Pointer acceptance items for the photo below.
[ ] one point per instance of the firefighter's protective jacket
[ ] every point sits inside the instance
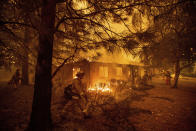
(78, 87)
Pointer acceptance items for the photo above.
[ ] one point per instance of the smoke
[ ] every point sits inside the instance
(118, 57)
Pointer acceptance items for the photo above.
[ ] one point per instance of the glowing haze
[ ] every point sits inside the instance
(119, 57)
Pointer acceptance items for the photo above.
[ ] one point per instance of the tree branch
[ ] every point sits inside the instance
(59, 67)
(187, 65)
(83, 18)
(17, 23)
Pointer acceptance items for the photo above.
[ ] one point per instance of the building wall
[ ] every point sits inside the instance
(63, 76)
(97, 72)
(105, 72)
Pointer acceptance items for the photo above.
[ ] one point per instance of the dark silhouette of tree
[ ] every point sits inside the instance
(70, 29)
(174, 44)
(16, 38)
(41, 114)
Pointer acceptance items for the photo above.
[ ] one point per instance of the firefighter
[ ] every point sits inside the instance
(168, 78)
(15, 81)
(79, 96)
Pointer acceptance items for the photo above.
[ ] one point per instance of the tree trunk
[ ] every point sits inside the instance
(177, 73)
(25, 65)
(41, 114)
(25, 74)
(25, 69)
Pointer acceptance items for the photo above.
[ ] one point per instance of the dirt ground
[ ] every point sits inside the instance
(165, 108)
(156, 109)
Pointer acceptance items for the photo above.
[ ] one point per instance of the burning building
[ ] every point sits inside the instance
(101, 74)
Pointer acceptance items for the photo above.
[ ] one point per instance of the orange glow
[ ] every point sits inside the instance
(75, 71)
(100, 88)
(118, 57)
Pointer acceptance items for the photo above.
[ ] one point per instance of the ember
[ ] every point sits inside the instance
(100, 87)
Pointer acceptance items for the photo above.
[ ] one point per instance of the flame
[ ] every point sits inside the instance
(75, 77)
(100, 87)
(75, 71)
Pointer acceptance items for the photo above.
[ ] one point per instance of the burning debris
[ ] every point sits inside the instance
(104, 108)
(107, 85)
(100, 88)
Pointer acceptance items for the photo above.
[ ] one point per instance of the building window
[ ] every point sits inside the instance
(103, 71)
(118, 71)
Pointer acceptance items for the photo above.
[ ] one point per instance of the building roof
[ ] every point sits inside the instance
(117, 57)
